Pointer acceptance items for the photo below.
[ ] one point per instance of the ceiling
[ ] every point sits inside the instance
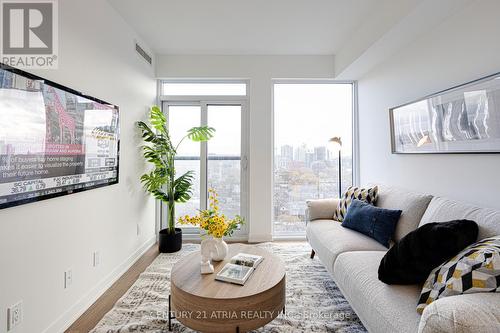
(245, 27)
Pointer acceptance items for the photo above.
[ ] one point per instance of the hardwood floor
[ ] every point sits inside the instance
(105, 303)
(94, 314)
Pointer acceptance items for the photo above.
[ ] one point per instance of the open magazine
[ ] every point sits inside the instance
(239, 268)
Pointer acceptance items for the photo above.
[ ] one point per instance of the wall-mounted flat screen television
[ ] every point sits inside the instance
(53, 140)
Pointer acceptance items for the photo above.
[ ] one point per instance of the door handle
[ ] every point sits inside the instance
(244, 163)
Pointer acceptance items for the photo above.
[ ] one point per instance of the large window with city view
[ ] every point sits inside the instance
(217, 164)
(306, 165)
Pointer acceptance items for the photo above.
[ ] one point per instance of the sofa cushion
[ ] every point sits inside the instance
(368, 195)
(329, 239)
(381, 308)
(375, 222)
(442, 209)
(476, 269)
(412, 204)
(472, 313)
(411, 259)
(321, 208)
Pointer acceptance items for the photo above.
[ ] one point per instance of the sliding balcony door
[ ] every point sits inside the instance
(220, 163)
(180, 119)
(224, 160)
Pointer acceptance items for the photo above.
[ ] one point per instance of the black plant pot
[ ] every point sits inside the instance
(169, 243)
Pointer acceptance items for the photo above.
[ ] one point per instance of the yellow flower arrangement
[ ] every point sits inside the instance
(215, 224)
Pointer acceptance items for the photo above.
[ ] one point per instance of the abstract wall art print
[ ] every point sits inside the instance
(463, 119)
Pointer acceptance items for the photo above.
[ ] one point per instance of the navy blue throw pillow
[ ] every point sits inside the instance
(374, 222)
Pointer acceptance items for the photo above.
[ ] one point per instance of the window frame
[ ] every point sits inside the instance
(355, 143)
(165, 101)
(210, 81)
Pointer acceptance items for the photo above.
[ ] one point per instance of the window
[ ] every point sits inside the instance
(182, 118)
(219, 163)
(306, 116)
(224, 157)
(204, 89)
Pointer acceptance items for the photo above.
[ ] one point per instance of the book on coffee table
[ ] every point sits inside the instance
(245, 259)
(239, 268)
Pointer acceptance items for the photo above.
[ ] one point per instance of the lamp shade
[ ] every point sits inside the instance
(336, 142)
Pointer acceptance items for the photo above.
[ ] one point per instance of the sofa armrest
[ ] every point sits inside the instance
(467, 313)
(321, 209)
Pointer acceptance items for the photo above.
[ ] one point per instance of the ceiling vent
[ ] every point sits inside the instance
(144, 55)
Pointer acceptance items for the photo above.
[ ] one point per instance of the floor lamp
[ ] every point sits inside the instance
(336, 143)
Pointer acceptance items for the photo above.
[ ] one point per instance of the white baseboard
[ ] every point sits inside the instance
(69, 317)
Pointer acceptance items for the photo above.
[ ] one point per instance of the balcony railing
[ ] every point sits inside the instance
(210, 158)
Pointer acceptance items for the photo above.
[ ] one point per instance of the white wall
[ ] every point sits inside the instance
(259, 70)
(464, 47)
(39, 241)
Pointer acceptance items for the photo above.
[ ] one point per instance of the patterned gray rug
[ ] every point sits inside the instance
(313, 301)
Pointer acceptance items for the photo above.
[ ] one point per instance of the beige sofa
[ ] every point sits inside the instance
(353, 260)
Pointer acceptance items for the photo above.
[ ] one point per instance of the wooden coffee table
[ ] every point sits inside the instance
(206, 305)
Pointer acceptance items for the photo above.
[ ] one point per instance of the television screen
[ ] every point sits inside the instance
(53, 140)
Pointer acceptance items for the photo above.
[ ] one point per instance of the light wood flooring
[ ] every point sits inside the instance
(89, 319)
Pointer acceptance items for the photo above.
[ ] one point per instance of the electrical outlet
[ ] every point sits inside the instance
(14, 315)
(138, 229)
(97, 258)
(68, 278)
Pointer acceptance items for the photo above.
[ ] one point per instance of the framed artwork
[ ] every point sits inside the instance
(460, 120)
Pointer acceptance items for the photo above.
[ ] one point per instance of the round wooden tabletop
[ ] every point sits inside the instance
(207, 305)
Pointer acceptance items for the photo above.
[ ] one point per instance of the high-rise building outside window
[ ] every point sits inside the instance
(306, 116)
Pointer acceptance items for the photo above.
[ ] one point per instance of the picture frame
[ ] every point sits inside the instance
(464, 119)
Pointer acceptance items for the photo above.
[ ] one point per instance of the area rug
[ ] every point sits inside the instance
(313, 301)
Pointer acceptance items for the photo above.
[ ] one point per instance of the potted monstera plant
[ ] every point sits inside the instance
(162, 182)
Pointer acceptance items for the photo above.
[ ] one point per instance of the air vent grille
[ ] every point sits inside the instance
(143, 54)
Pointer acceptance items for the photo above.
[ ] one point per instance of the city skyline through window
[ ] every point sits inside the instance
(306, 116)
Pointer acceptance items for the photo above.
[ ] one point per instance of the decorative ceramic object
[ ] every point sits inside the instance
(212, 249)
(220, 249)
(206, 256)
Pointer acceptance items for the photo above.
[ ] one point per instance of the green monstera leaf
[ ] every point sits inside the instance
(160, 152)
(201, 134)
